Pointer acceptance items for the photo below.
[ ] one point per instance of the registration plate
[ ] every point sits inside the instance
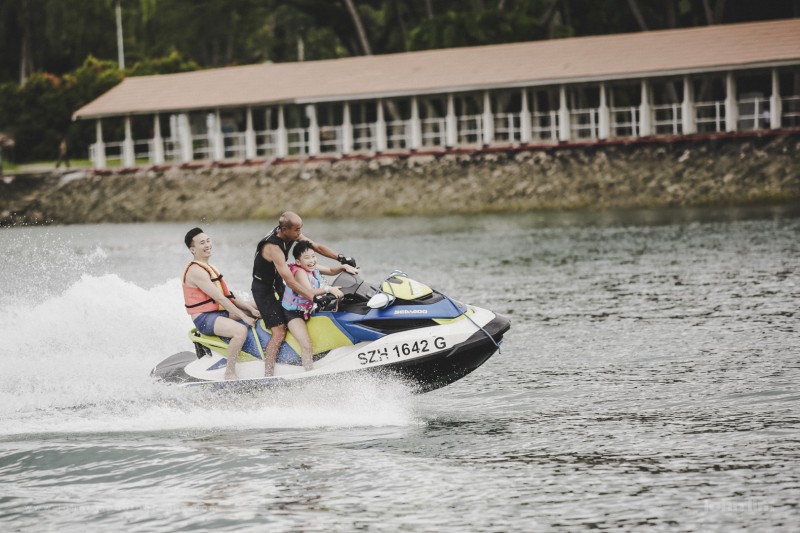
(400, 350)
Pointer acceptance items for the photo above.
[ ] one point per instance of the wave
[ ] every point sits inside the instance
(80, 362)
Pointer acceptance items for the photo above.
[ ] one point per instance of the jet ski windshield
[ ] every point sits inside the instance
(354, 287)
(401, 289)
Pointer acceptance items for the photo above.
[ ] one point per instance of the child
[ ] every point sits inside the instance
(297, 307)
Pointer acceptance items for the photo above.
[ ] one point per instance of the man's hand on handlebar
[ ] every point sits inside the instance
(348, 261)
(323, 300)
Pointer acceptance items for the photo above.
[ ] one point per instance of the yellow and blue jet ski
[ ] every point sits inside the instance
(402, 328)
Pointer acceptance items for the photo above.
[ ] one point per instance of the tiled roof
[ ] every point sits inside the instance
(610, 57)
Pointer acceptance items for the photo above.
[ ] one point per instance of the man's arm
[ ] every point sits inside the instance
(198, 277)
(328, 252)
(271, 252)
(320, 248)
(337, 269)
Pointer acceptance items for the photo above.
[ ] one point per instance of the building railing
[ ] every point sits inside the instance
(397, 134)
(201, 146)
(234, 145)
(296, 141)
(583, 123)
(434, 132)
(790, 111)
(470, 130)
(710, 117)
(753, 113)
(113, 153)
(544, 126)
(667, 119)
(141, 151)
(507, 127)
(266, 144)
(331, 139)
(363, 137)
(172, 150)
(625, 121)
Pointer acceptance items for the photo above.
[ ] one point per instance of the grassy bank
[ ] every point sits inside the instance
(10, 167)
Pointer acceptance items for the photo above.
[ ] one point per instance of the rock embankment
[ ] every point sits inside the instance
(654, 174)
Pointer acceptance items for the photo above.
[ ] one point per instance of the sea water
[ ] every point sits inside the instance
(650, 379)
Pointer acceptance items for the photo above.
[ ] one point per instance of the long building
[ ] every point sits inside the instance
(714, 79)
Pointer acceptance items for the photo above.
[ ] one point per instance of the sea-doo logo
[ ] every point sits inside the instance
(411, 311)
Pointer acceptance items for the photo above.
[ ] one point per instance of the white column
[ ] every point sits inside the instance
(564, 126)
(731, 104)
(645, 115)
(313, 130)
(185, 138)
(281, 137)
(450, 123)
(128, 157)
(347, 130)
(380, 129)
(488, 119)
(415, 142)
(99, 146)
(270, 146)
(688, 118)
(157, 156)
(249, 137)
(536, 122)
(211, 120)
(524, 119)
(775, 103)
(612, 122)
(174, 139)
(603, 115)
(218, 153)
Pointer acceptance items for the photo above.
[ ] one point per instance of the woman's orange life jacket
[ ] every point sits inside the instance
(197, 301)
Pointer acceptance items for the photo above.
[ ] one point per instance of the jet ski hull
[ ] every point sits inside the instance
(435, 371)
(422, 371)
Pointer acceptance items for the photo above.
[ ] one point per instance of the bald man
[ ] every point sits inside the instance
(270, 272)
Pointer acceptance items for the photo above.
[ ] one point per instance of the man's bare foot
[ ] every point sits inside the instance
(231, 375)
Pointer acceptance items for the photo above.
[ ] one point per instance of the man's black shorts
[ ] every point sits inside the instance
(268, 305)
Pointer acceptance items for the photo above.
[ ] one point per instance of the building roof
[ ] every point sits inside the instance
(538, 63)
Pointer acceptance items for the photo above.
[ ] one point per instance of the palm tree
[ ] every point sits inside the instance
(26, 54)
(362, 35)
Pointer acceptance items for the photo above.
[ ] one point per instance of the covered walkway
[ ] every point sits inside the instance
(730, 78)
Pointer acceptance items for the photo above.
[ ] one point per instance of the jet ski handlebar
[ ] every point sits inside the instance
(324, 300)
(347, 260)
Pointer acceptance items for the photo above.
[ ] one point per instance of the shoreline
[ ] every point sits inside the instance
(727, 171)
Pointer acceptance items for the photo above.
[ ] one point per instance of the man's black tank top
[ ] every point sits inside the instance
(264, 272)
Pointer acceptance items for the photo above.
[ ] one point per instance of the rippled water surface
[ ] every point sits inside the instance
(650, 378)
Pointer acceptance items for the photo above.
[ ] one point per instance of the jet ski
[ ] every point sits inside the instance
(400, 328)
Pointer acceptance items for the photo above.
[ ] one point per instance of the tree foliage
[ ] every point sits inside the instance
(39, 112)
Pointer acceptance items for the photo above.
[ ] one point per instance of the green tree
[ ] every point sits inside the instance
(39, 112)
